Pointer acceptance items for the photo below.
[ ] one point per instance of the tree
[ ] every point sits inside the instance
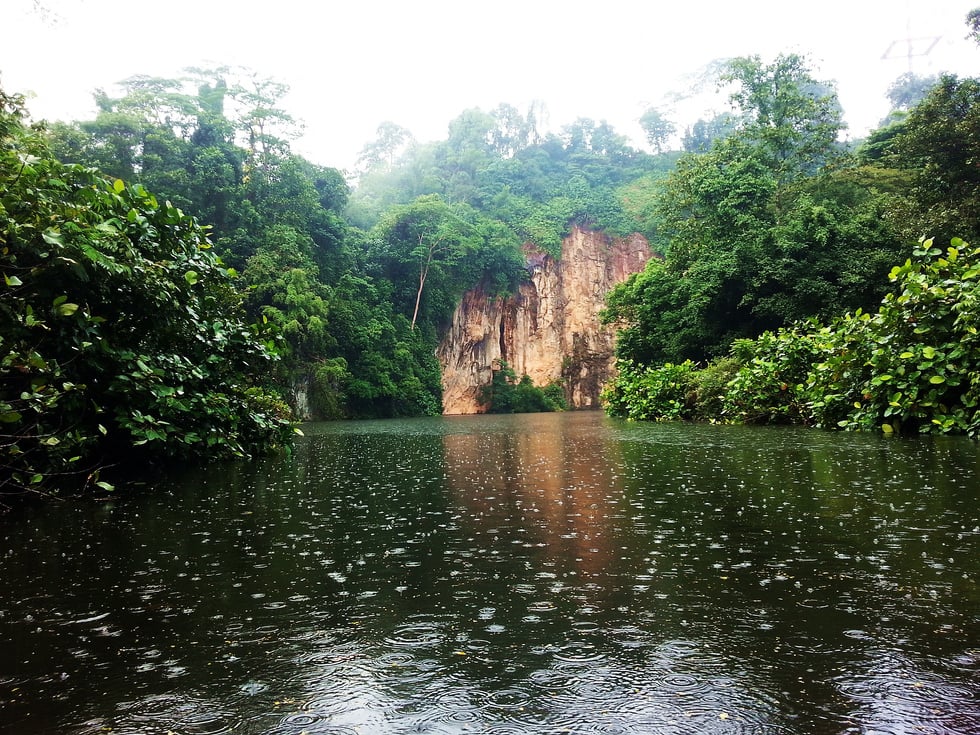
(505, 393)
(973, 24)
(702, 134)
(757, 231)
(121, 334)
(937, 147)
(429, 232)
(794, 118)
(909, 89)
(380, 155)
(512, 131)
(264, 125)
(658, 128)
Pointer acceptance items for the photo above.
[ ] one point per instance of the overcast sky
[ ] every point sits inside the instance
(354, 64)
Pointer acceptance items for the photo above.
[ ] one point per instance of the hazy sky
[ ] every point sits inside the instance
(419, 63)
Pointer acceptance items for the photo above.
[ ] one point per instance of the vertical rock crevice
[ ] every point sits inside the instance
(548, 330)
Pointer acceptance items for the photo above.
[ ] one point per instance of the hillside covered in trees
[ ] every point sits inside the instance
(175, 274)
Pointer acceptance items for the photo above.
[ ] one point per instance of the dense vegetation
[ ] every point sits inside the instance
(139, 246)
(506, 393)
(121, 336)
(787, 259)
(911, 366)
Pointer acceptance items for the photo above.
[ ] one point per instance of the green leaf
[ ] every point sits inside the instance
(937, 379)
(119, 186)
(105, 485)
(52, 237)
(191, 277)
(67, 309)
(10, 417)
(12, 280)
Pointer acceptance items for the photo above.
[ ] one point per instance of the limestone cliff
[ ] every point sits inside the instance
(548, 330)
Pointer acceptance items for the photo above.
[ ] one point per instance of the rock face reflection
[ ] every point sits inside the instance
(546, 485)
(526, 574)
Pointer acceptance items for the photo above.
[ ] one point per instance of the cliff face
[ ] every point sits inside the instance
(548, 330)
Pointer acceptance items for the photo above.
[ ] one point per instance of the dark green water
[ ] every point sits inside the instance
(528, 574)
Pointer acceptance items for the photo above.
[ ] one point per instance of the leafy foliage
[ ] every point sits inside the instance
(912, 367)
(498, 163)
(651, 393)
(936, 146)
(121, 333)
(507, 394)
(769, 226)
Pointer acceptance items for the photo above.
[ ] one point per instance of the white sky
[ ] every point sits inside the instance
(419, 63)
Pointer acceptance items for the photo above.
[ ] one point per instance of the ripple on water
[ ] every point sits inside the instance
(181, 714)
(416, 635)
(894, 697)
(333, 702)
(511, 698)
(677, 683)
(553, 681)
(290, 727)
(506, 728)
(456, 698)
(577, 651)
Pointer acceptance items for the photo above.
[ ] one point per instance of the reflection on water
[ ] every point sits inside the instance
(518, 574)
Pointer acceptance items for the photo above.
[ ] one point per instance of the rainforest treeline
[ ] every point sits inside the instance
(175, 275)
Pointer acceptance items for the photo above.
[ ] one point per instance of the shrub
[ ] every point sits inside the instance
(121, 336)
(506, 394)
(651, 393)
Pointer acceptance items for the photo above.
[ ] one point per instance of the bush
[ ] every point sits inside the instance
(914, 366)
(911, 367)
(768, 386)
(652, 393)
(120, 333)
(506, 394)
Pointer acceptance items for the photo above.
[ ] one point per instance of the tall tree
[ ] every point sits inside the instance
(937, 146)
(430, 233)
(699, 137)
(380, 155)
(121, 335)
(792, 116)
(973, 24)
(753, 236)
(909, 89)
(657, 127)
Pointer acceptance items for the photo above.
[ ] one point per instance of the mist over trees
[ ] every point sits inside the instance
(339, 289)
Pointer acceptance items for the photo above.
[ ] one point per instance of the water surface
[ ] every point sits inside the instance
(542, 573)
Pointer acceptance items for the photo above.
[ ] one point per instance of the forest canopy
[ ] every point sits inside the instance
(175, 274)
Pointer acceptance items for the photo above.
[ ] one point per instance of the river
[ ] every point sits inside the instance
(545, 573)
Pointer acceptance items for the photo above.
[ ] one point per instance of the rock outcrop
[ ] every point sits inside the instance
(549, 330)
